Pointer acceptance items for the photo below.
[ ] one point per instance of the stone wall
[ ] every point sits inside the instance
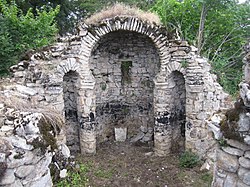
(158, 74)
(27, 146)
(232, 165)
(233, 156)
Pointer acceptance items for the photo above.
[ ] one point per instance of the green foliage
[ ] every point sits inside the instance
(226, 30)
(229, 75)
(103, 86)
(103, 173)
(184, 64)
(126, 74)
(189, 160)
(20, 32)
(207, 178)
(222, 142)
(76, 177)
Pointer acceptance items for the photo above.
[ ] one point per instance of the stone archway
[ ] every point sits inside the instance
(124, 64)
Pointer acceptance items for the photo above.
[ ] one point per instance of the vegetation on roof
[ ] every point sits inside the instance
(120, 9)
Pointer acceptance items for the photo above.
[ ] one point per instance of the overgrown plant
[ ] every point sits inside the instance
(75, 177)
(20, 32)
(189, 160)
(121, 9)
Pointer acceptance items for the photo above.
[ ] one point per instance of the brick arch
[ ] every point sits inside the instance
(68, 65)
(90, 35)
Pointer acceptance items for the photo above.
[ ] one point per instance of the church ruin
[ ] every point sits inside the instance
(129, 74)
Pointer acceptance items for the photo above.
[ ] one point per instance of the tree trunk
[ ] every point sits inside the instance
(201, 27)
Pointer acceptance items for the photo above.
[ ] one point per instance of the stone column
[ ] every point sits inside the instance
(162, 135)
(87, 141)
(86, 108)
(162, 142)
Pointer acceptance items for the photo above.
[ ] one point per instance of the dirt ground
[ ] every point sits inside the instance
(122, 164)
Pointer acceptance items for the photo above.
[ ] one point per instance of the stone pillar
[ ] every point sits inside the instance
(162, 134)
(162, 143)
(87, 141)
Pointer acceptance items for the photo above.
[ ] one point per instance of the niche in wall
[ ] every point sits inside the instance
(124, 64)
(70, 110)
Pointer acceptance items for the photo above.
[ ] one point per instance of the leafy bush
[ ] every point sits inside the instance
(226, 30)
(189, 160)
(20, 32)
(76, 177)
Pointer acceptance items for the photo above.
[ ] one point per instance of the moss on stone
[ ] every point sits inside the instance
(3, 167)
(229, 125)
(48, 136)
(48, 133)
(125, 69)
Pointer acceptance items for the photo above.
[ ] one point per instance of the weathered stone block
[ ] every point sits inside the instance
(227, 162)
(244, 162)
(231, 180)
(244, 175)
(87, 142)
(238, 145)
(24, 171)
(233, 151)
(120, 134)
(241, 184)
(8, 177)
(247, 154)
(244, 123)
(218, 182)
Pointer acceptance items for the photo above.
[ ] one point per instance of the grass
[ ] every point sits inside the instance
(80, 176)
(207, 177)
(120, 9)
(104, 173)
(188, 160)
(76, 177)
(49, 115)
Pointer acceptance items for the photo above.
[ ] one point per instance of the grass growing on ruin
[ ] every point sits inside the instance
(79, 176)
(103, 173)
(75, 177)
(120, 9)
(189, 160)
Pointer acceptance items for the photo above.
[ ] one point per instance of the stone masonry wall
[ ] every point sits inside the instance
(124, 65)
(40, 80)
(232, 165)
(25, 153)
(233, 156)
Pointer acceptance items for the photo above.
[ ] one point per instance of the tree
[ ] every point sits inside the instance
(218, 28)
(20, 32)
